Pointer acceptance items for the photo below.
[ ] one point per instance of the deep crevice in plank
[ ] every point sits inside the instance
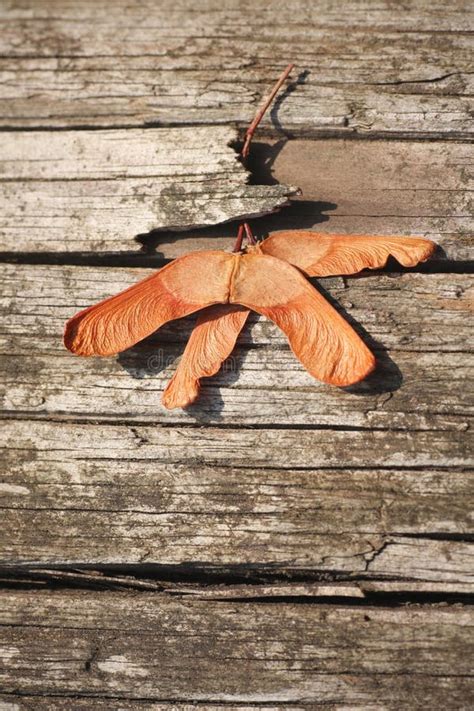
(137, 259)
(344, 132)
(121, 421)
(239, 583)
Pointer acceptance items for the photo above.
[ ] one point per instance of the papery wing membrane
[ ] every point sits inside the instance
(210, 344)
(186, 285)
(321, 339)
(319, 254)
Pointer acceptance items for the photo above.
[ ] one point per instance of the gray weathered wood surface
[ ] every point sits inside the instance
(282, 544)
(280, 654)
(95, 191)
(417, 323)
(204, 498)
(374, 69)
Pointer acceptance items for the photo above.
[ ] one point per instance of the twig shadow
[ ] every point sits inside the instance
(289, 89)
(261, 161)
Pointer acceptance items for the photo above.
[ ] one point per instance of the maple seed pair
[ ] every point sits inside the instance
(268, 278)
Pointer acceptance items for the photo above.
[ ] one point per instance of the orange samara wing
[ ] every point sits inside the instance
(319, 337)
(211, 342)
(186, 285)
(319, 254)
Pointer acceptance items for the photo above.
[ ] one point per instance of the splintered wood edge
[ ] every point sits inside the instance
(128, 182)
(97, 185)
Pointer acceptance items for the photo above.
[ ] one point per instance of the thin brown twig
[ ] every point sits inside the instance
(246, 148)
(240, 237)
(250, 237)
(261, 112)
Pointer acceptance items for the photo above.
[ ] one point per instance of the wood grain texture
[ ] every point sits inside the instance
(152, 648)
(374, 187)
(417, 324)
(96, 190)
(340, 502)
(162, 561)
(72, 63)
(283, 449)
(28, 702)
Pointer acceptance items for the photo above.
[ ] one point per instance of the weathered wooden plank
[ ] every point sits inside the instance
(402, 310)
(208, 498)
(83, 191)
(96, 190)
(242, 448)
(410, 391)
(421, 381)
(152, 648)
(27, 702)
(375, 187)
(164, 64)
(178, 17)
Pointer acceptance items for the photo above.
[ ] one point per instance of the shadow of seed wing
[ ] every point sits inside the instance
(186, 285)
(319, 254)
(211, 342)
(319, 337)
